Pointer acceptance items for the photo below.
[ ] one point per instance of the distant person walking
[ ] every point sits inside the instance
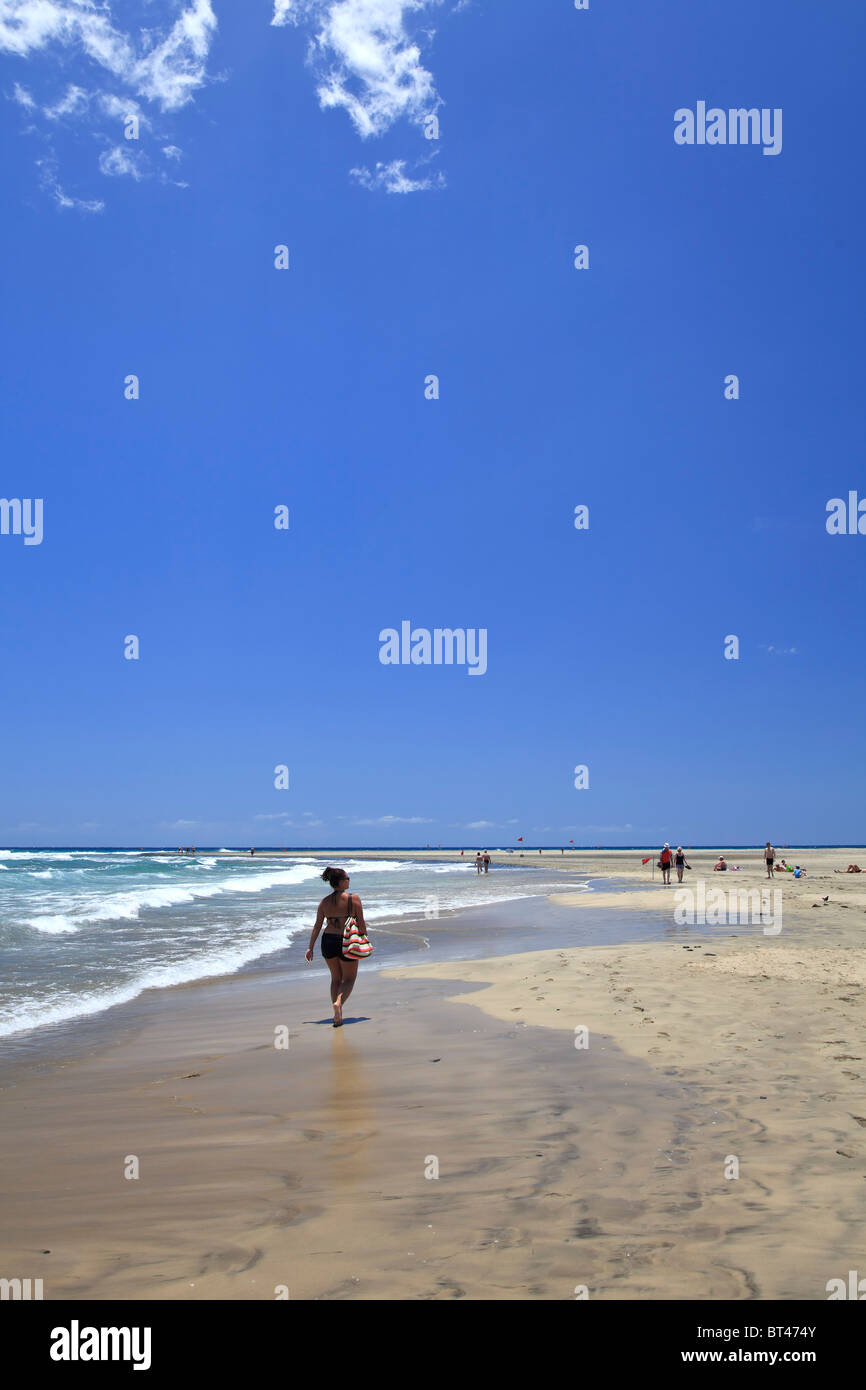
(333, 911)
(665, 863)
(479, 863)
(769, 858)
(680, 863)
(486, 862)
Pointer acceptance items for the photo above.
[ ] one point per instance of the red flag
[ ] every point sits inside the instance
(520, 839)
(571, 842)
(647, 860)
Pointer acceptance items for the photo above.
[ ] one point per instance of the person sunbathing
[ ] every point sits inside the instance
(851, 869)
(721, 866)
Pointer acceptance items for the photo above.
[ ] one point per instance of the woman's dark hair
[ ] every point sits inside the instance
(334, 877)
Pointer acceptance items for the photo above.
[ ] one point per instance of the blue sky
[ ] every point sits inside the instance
(305, 387)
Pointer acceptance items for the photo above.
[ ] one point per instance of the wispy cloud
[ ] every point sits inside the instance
(23, 97)
(160, 64)
(367, 63)
(396, 820)
(365, 59)
(780, 651)
(309, 822)
(392, 178)
(50, 183)
(119, 161)
(164, 67)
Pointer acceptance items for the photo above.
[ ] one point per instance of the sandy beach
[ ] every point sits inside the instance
(676, 1118)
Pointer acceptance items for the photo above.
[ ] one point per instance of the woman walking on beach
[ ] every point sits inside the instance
(333, 911)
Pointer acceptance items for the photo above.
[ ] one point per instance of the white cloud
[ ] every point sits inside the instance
(49, 181)
(125, 61)
(74, 102)
(166, 69)
(174, 68)
(23, 97)
(364, 58)
(119, 161)
(121, 108)
(396, 820)
(284, 817)
(172, 152)
(393, 178)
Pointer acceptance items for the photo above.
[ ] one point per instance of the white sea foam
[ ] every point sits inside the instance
(60, 1008)
(127, 907)
(53, 926)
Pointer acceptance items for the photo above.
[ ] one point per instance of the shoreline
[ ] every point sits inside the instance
(558, 1165)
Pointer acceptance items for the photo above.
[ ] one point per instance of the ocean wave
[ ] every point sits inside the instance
(126, 907)
(224, 960)
(52, 926)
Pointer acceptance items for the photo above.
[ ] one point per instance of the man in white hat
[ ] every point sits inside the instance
(665, 863)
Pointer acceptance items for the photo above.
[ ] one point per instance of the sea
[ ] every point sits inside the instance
(83, 930)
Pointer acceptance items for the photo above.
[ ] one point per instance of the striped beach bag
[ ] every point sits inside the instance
(355, 946)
